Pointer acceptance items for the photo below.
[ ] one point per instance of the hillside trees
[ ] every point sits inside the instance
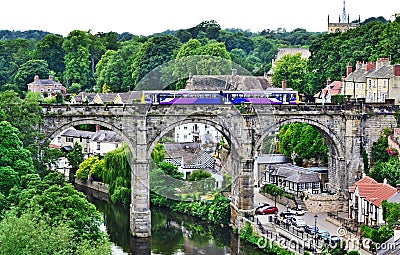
(293, 69)
(153, 53)
(77, 63)
(300, 142)
(50, 49)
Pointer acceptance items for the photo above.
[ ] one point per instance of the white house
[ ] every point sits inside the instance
(365, 201)
(104, 141)
(196, 132)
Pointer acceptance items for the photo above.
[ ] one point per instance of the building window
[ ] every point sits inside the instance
(185, 137)
(69, 139)
(85, 150)
(98, 146)
(384, 84)
(369, 84)
(185, 127)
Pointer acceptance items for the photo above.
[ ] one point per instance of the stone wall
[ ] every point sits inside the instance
(98, 190)
(316, 203)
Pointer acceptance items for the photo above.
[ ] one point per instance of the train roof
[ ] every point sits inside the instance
(269, 90)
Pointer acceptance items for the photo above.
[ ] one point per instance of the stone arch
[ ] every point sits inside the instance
(91, 121)
(220, 127)
(336, 148)
(332, 140)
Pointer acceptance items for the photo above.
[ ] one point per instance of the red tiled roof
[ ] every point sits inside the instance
(382, 193)
(373, 191)
(334, 89)
(54, 146)
(364, 180)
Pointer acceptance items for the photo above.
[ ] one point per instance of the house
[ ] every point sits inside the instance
(69, 137)
(365, 200)
(294, 179)
(47, 87)
(198, 133)
(374, 81)
(104, 141)
(331, 89)
(261, 166)
(107, 98)
(189, 157)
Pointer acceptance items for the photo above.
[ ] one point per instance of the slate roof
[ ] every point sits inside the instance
(295, 174)
(383, 72)
(303, 177)
(272, 159)
(82, 96)
(390, 247)
(395, 198)
(72, 132)
(106, 136)
(190, 152)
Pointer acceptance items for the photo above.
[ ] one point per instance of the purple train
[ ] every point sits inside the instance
(185, 97)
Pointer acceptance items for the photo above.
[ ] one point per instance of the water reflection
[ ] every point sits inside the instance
(172, 234)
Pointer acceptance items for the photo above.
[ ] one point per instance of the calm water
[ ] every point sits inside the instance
(172, 233)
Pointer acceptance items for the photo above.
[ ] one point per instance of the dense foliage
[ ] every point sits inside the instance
(301, 142)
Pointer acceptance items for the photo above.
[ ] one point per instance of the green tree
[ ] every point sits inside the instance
(153, 53)
(75, 157)
(378, 149)
(12, 152)
(389, 170)
(293, 69)
(49, 48)
(77, 62)
(199, 175)
(158, 153)
(75, 88)
(28, 70)
(300, 141)
(8, 179)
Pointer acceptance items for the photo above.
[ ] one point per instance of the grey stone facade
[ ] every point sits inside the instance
(141, 126)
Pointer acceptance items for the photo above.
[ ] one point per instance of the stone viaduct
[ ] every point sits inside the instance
(346, 130)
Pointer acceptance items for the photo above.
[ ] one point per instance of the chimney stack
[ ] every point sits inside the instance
(369, 66)
(349, 69)
(97, 128)
(36, 78)
(51, 77)
(358, 65)
(396, 70)
(283, 84)
(398, 187)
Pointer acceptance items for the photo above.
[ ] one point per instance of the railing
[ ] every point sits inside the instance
(350, 224)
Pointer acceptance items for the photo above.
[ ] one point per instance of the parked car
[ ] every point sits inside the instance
(332, 240)
(311, 229)
(323, 234)
(298, 221)
(286, 216)
(267, 210)
(297, 211)
(262, 205)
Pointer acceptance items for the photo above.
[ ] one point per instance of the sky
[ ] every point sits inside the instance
(147, 17)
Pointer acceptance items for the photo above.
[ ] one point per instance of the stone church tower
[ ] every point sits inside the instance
(344, 22)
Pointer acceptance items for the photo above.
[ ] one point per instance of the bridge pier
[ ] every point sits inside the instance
(243, 192)
(140, 215)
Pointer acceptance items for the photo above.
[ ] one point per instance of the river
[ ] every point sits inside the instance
(172, 234)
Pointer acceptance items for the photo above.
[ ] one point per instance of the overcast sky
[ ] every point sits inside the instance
(146, 17)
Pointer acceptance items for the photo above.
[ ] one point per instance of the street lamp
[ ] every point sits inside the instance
(315, 225)
(275, 194)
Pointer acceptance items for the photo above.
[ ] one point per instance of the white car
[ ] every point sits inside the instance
(297, 211)
(298, 221)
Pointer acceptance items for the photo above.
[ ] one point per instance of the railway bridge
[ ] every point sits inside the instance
(346, 130)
